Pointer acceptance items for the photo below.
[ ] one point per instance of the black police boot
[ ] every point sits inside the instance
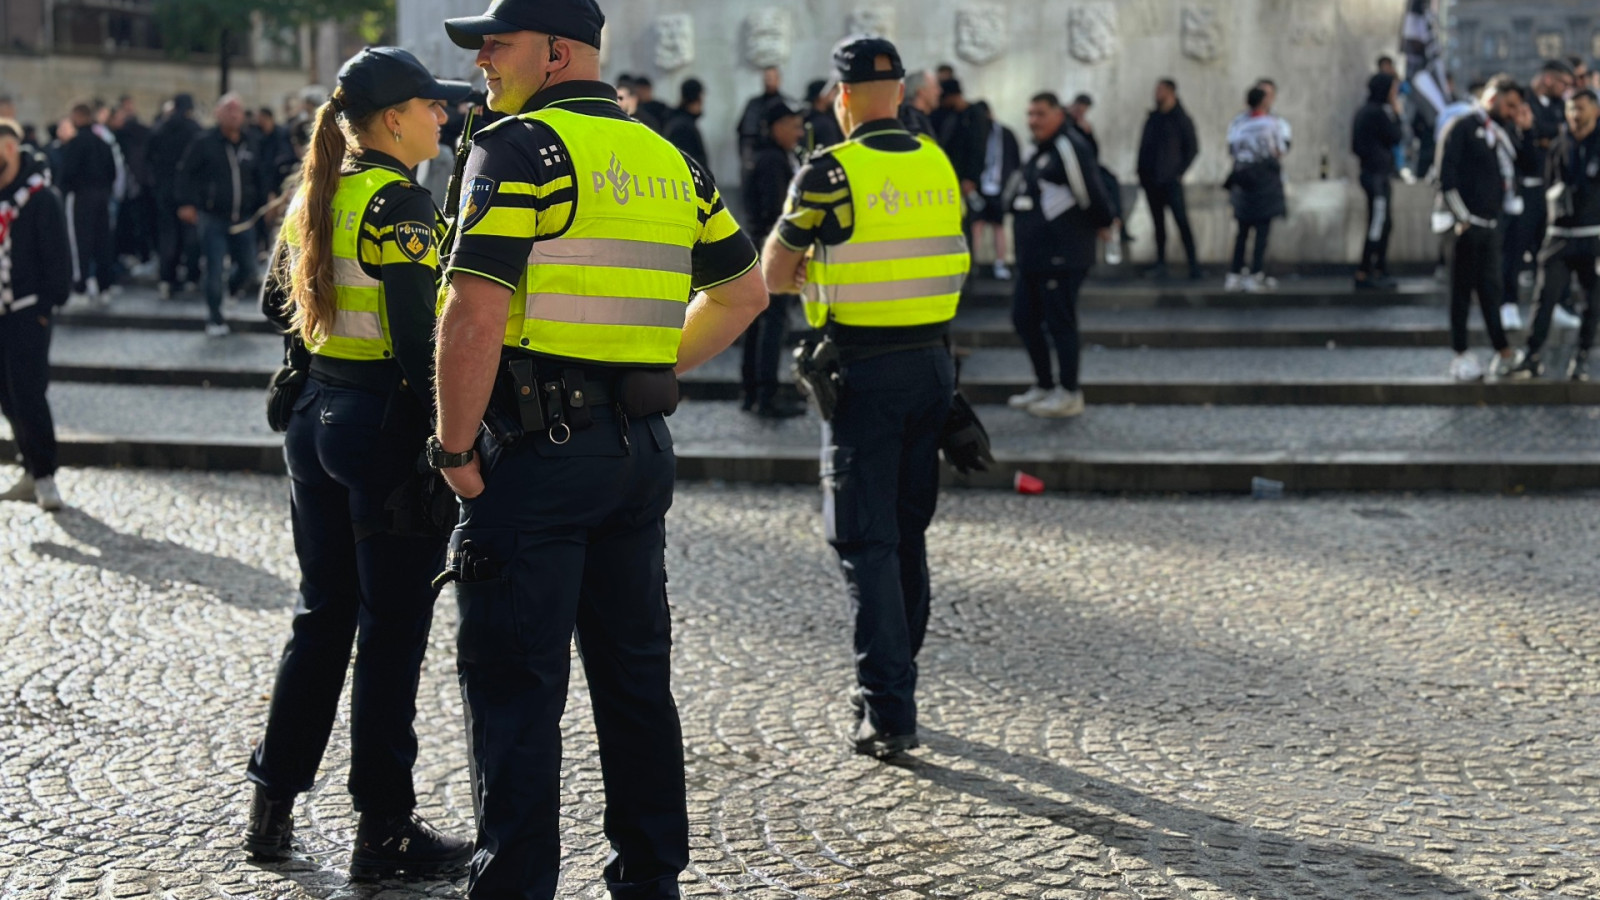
(780, 409)
(1578, 369)
(404, 844)
(886, 747)
(270, 835)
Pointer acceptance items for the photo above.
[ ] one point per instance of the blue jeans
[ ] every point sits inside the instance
(241, 248)
(880, 482)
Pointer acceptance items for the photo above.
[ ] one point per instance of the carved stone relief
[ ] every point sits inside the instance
(674, 41)
(877, 20)
(980, 32)
(766, 37)
(1092, 32)
(1201, 34)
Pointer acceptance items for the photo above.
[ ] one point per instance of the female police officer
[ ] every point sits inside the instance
(356, 272)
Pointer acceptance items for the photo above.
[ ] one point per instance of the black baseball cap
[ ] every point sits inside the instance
(578, 20)
(779, 110)
(381, 77)
(855, 60)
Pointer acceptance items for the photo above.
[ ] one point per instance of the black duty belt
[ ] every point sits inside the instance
(861, 352)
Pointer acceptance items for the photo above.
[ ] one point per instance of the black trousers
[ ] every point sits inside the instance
(374, 592)
(136, 226)
(24, 378)
(177, 242)
(762, 352)
(1475, 269)
(1559, 260)
(91, 233)
(880, 483)
(1380, 224)
(1047, 302)
(1161, 198)
(1523, 235)
(1263, 230)
(575, 539)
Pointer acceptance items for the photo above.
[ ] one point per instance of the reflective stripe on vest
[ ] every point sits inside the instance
(906, 261)
(360, 329)
(615, 286)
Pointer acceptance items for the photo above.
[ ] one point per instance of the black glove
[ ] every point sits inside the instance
(964, 441)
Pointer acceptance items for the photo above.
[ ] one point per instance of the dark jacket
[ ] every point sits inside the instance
(1255, 190)
(221, 177)
(916, 121)
(275, 156)
(1575, 166)
(683, 131)
(1549, 123)
(41, 249)
(1064, 171)
(965, 140)
(1376, 129)
(87, 165)
(1168, 146)
(167, 145)
(766, 189)
(824, 129)
(1470, 179)
(134, 139)
(751, 127)
(655, 114)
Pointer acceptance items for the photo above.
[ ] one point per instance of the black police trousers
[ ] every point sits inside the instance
(1560, 259)
(24, 379)
(571, 538)
(375, 591)
(880, 483)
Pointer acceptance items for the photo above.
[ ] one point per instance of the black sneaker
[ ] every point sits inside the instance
(1196, 273)
(868, 742)
(780, 409)
(1578, 369)
(1529, 365)
(392, 845)
(1157, 272)
(270, 834)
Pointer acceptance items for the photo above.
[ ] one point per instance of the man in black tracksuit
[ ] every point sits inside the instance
(1477, 172)
(1058, 209)
(35, 278)
(776, 163)
(1166, 150)
(89, 178)
(219, 187)
(1373, 137)
(1572, 241)
(1525, 233)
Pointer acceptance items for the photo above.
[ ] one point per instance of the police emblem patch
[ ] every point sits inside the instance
(476, 199)
(414, 240)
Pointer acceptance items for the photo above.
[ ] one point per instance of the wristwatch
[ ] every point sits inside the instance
(438, 459)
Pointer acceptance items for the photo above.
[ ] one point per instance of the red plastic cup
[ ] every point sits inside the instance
(1027, 484)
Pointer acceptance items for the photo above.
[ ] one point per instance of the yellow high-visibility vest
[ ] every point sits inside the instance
(615, 286)
(360, 330)
(906, 260)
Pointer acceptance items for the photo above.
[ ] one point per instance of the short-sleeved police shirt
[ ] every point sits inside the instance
(531, 175)
(819, 209)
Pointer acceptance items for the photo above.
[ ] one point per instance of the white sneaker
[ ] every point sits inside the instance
(217, 329)
(1465, 367)
(1060, 404)
(1565, 318)
(1233, 282)
(22, 490)
(44, 491)
(1510, 317)
(1027, 398)
(1002, 271)
(1500, 366)
(1264, 282)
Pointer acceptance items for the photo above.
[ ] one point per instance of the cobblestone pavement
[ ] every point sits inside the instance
(1348, 697)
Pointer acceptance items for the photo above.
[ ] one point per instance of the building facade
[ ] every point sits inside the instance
(1491, 36)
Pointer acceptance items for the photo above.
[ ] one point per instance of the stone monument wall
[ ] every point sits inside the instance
(1319, 52)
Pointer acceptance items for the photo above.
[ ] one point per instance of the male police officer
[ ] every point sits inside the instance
(883, 214)
(582, 238)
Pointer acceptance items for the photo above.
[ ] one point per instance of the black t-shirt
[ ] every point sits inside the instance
(532, 159)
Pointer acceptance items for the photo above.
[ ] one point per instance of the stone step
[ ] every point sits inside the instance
(1208, 293)
(1273, 376)
(1109, 448)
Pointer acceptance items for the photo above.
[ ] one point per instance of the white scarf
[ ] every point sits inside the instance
(10, 210)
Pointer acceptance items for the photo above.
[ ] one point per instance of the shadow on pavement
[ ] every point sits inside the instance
(158, 563)
(1238, 859)
(328, 880)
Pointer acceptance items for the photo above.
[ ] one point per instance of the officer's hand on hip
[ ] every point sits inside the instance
(466, 481)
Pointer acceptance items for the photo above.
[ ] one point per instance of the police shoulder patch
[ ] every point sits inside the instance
(476, 199)
(414, 240)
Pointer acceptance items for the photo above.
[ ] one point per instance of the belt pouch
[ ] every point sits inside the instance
(525, 393)
(580, 417)
(644, 392)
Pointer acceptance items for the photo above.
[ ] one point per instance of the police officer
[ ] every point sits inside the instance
(356, 273)
(582, 237)
(872, 238)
